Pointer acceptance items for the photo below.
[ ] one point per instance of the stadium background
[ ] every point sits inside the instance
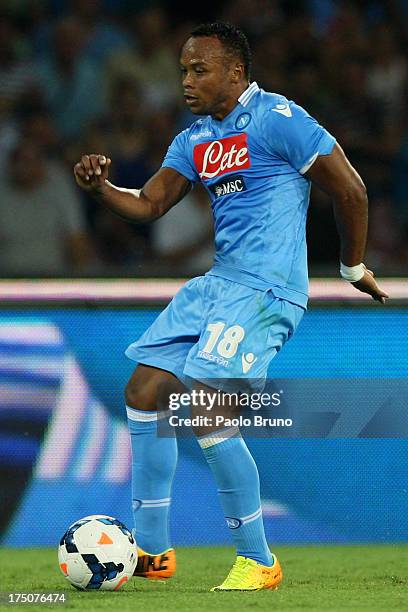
(102, 76)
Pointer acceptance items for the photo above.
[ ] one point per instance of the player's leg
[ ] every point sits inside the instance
(243, 323)
(237, 479)
(154, 460)
(236, 475)
(162, 349)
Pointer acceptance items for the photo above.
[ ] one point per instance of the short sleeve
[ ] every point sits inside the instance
(178, 158)
(292, 134)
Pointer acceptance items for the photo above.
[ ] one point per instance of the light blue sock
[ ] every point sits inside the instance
(237, 481)
(154, 462)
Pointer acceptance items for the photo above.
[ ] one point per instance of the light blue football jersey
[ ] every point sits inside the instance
(252, 163)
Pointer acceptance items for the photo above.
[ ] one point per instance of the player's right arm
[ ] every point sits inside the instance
(162, 191)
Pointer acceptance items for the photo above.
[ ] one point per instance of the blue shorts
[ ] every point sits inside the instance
(217, 330)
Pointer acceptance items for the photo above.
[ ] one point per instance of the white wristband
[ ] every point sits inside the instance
(352, 273)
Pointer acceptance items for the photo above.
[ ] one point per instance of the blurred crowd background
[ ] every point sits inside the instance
(85, 76)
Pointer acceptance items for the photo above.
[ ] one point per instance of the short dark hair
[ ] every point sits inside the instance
(232, 38)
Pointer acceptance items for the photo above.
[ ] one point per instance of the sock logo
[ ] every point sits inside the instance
(248, 361)
(233, 523)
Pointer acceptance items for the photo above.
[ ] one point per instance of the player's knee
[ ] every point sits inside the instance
(130, 394)
(138, 394)
(137, 397)
(149, 388)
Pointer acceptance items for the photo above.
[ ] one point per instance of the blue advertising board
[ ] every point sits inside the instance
(62, 422)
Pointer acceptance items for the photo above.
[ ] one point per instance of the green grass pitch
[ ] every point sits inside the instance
(316, 578)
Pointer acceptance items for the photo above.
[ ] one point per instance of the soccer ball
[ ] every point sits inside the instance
(97, 552)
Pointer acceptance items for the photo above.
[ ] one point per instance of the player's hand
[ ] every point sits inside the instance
(92, 171)
(367, 284)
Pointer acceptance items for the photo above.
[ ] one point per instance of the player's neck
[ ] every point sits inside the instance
(228, 105)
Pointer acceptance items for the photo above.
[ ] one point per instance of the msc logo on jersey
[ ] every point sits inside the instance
(221, 156)
(233, 184)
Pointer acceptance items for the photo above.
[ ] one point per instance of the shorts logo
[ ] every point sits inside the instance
(233, 523)
(210, 357)
(136, 503)
(221, 156)
(248, 361)
(233, 184)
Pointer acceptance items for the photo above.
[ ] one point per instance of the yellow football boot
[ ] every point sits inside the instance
(155, 567)
(248, 575)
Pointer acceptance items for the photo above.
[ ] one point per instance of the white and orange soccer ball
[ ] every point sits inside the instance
(97, 553)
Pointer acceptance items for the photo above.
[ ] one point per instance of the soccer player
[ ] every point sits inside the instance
(256, 153)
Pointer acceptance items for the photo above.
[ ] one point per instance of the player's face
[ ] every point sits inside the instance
(208, 74)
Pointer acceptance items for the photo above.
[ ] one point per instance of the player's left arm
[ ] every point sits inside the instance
(336, 176)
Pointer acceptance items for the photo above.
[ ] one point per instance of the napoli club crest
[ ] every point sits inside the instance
(242, 121)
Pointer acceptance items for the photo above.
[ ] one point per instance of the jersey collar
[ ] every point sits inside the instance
(248, 94)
